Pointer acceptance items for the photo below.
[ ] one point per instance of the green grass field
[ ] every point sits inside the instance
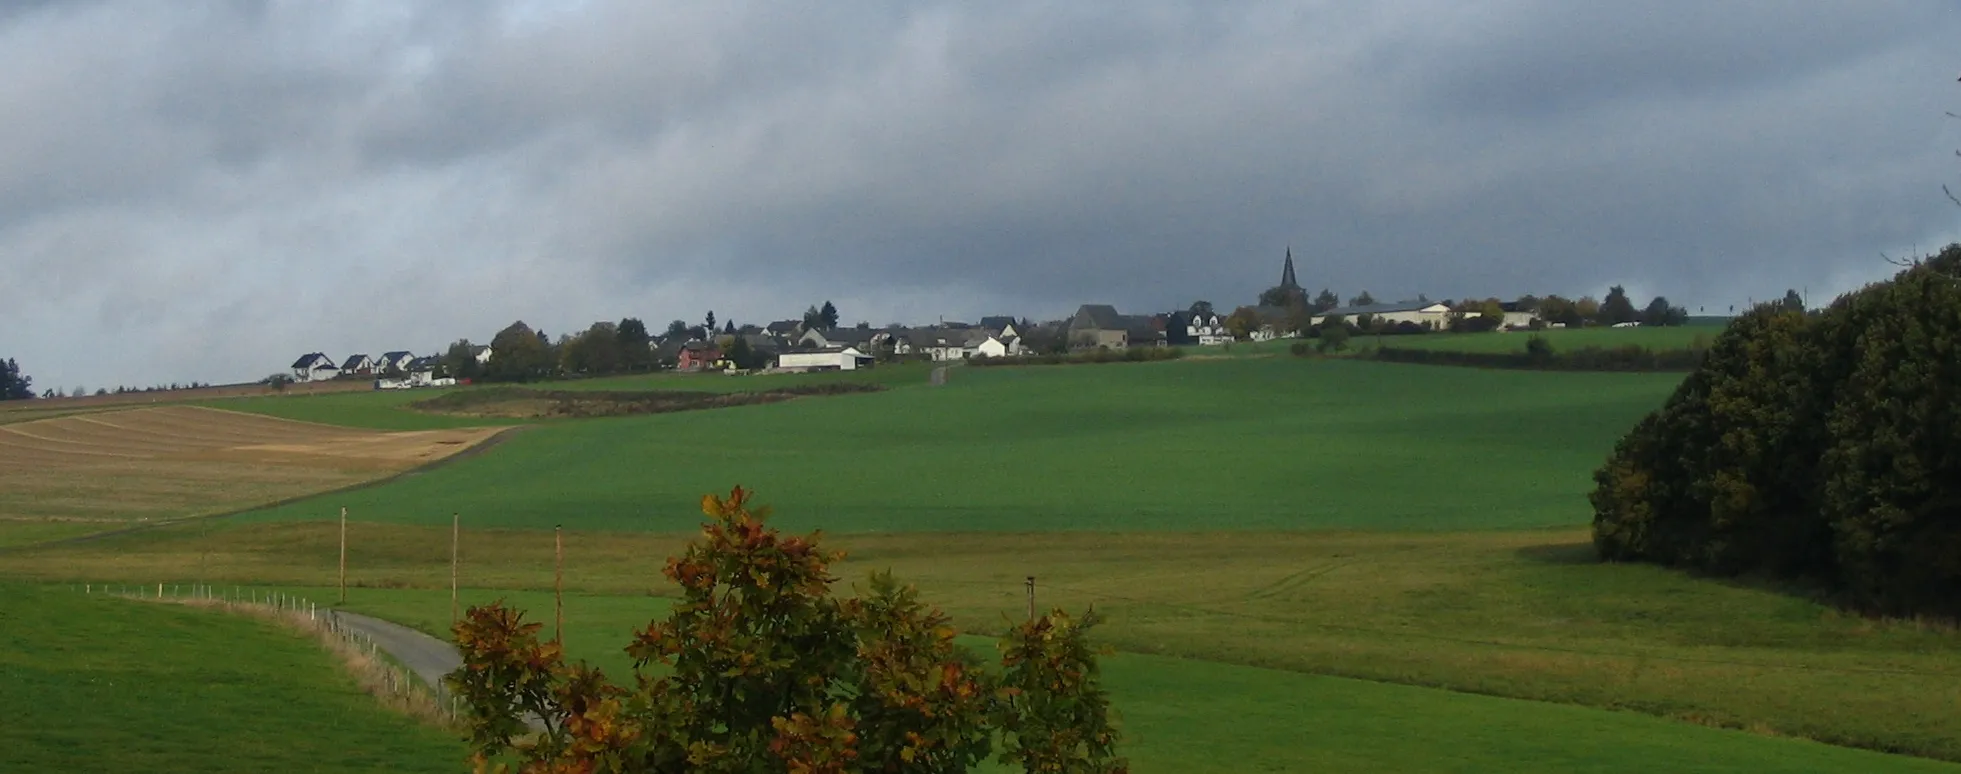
(1275, 443)
(1257, 529)
(101, 684)
(1563, 339)
(1178, 714)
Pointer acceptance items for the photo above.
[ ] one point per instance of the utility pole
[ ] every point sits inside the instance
(558, 584)
(343, 554)
(455, 530)
(1031, 598)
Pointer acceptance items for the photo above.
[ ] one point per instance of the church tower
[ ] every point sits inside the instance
(1287, 282)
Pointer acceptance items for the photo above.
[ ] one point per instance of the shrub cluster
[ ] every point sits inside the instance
(1539, 355)
(1099, 355)
(1820, 447)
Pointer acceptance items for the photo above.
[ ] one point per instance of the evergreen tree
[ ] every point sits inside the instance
(829, 314)
(14, 385)
(1327, 300)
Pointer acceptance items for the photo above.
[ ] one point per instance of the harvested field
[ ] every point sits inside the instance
(13, 411)
(114, 468)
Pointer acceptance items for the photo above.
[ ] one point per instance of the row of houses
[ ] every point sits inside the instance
(401, 367)
(790, 347)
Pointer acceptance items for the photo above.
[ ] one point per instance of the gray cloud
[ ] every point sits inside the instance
(206, 190)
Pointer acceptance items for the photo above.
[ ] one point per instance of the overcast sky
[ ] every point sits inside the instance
(206, 190)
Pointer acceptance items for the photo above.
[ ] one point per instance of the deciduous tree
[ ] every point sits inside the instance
(1617, 308)
(757, 667)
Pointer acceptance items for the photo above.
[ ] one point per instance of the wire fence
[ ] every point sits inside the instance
(374, 667)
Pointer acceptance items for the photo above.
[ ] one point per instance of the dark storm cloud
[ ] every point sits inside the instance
(206, 190)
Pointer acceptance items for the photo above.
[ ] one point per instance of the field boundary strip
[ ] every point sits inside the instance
(1268, 618)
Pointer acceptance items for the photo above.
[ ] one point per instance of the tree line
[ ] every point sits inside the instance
(1823, 447)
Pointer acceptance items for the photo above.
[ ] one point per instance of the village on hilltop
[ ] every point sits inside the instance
(817, 343)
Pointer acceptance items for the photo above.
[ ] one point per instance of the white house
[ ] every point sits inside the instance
(1418, 312)
(1208, 329)
(1000, 346)
(396, 360)
(481, 352)
(357, 364)
(824, 359)
(313, 367)
(946, 344)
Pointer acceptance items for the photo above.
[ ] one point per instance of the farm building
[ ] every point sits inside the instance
(314, 367)
(1517, 316)
(824, 359)
(1418, 312)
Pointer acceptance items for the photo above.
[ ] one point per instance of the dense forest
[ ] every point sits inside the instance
(1824, 447)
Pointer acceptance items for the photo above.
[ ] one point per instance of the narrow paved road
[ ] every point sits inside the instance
(428, 657)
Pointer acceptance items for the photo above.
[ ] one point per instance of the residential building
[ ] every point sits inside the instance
(314, 367)
(1098, 326)
(357, 364)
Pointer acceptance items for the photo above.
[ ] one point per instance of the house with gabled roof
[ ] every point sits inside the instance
(1098, 325)
(314, 367)
(357, 364)
(1000, 325)
(398, 361)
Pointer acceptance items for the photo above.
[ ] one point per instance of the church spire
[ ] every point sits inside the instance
(1287, 281)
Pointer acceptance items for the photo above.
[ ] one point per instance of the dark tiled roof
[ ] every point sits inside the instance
(396, 357)
(355, 361)
(310, 359)
(997, 322)
(1099, 316)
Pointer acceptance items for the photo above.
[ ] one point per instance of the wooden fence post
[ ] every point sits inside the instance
(343, 554)
(455, 534)
(558, 583)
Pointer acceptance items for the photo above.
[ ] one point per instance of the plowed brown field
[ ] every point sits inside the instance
(118, 467)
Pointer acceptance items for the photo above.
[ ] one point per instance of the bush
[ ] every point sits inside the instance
(1819, 447)
(758, 668)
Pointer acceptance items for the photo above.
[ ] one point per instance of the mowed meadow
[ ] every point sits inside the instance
(1304, 563)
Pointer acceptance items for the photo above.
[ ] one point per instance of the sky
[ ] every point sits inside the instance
(206, 190)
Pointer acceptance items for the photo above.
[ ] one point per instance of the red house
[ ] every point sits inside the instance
(696, 356)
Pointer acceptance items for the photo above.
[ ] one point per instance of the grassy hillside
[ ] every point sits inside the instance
(1278, 443)
(1524, 614)
(99, 684)
(1180, 714)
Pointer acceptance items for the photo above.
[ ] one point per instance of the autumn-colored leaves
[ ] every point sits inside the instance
(763, 670)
